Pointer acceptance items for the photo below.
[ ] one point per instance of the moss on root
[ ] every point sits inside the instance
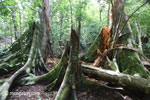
(51, 75)
(16, 55)
(130, 63)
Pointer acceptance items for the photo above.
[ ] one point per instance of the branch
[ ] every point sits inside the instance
(132, 15)
(127, 48)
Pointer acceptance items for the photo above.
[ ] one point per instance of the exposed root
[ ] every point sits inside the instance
(43, 66)
(60, 75)
(68, 85)
(16, 55)
(5, 87)
(51, 76)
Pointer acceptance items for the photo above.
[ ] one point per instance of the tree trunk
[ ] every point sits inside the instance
(45, 31)
(129, 62)
(12, 56)
(11, 32)
(20, 16)
(61, 32)
(139, 36)
(69, 81)
(15, 25)
(133, 83)
(6, 85)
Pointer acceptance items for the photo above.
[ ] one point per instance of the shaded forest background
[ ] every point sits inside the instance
(103, 44)
(16, 14)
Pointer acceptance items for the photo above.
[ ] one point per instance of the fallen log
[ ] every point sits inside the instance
(134, 83)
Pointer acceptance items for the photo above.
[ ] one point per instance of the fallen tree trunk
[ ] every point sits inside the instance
(134, 83)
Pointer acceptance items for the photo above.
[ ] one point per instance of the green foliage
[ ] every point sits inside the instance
(60, 18)
(142, 16)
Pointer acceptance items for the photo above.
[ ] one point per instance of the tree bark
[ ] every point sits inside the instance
(128, 61)
(133, 83)
(15, 25)
(139, 36)
(46, 43)
(4, 89)
(69, 81)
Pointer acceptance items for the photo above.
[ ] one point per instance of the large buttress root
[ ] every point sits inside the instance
(68, 84)
(51, 76)
(56, 83)
(16, 55)
(6, 85)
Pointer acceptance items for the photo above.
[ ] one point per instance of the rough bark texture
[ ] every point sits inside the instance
(129, 61)
(68, 84)
(15, 25)
(46, 43)
(6, 85)
(12, 57)
(133, 83)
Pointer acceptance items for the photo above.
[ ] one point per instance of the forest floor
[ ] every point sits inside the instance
(36, 92)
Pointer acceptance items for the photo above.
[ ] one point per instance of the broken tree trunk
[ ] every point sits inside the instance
(126, 61)
(134, 83)
(68, 84)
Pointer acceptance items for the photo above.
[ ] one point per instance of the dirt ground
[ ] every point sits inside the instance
(36, 92)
